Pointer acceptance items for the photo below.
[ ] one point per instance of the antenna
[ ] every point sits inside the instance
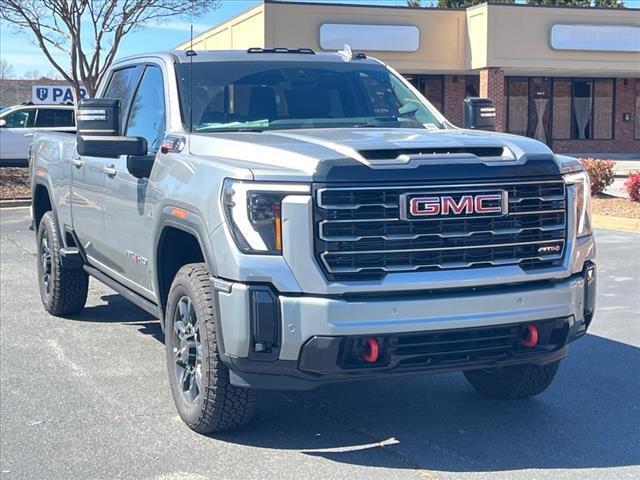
(191, 54)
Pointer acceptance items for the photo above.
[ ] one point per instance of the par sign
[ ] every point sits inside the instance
(53, 94)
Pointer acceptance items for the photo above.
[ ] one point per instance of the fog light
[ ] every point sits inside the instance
(265, 323)
(589, 293)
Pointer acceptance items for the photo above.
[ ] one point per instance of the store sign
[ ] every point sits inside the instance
(53, 94)
(382, 38)
(595, 38)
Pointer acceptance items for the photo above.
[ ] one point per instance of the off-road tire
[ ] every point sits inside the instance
(65, 293)
(219, 406)
(516, 381)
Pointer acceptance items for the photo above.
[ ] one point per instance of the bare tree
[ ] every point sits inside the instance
(6, 70)
(32, 74)
(53, 75)
(89, 32)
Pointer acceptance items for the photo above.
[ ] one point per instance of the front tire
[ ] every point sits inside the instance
(63, 291)
(202, 392)
(516, 381)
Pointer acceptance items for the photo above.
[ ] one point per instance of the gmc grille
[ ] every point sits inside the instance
(360, 235)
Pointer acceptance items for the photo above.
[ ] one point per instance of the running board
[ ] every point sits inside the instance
(130, 295)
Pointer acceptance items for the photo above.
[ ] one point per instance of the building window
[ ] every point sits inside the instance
(431, 87)
(603, 109)
(637, 135)
(472, 86)
(592, 109)
(561, 109)
(582, 108)
(517, 105)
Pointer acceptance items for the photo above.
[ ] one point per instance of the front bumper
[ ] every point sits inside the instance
(280, 341)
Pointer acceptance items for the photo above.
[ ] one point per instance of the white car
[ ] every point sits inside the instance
(19, 123)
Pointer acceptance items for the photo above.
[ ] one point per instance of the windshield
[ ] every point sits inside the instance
(258, 95)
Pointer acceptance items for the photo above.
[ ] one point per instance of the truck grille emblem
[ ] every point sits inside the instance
(455, 205)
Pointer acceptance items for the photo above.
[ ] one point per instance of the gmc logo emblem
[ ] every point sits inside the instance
(455, 205)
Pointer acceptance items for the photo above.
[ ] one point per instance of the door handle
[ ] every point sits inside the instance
(77, 162)
(110, 170)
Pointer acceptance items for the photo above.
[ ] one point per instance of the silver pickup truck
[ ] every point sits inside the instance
(295, 218)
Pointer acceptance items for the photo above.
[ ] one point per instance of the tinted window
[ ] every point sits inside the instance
(286, 95)
(147, 118)
(50, 117)
(20, 119)
(121, 85)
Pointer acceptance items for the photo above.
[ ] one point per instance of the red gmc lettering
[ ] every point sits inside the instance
(480, 199)
(448, 205)
(424, 206)
(465, 204)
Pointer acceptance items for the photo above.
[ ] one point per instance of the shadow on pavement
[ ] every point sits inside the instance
(589, 418)
(117, 309)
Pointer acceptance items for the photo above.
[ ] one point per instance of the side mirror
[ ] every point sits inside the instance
(479, 114)
(111, 147)
(98, 117)
(140, 166)
(3, 123)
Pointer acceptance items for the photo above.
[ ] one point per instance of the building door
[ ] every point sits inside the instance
(539, 121)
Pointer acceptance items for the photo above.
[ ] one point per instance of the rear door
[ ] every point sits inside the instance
(16, 136)
(89, 176)
(129, 200)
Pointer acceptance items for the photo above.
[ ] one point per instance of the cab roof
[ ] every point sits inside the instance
(255, 54)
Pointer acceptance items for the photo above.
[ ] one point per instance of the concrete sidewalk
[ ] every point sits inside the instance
(623, 167)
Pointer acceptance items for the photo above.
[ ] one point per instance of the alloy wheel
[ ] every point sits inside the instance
(187, 350)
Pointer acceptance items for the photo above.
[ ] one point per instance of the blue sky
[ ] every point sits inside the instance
(22, 55)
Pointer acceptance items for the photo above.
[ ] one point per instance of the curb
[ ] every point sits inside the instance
(616, 223)
(18, 202)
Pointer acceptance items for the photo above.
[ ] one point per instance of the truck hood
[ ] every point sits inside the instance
(299, 154)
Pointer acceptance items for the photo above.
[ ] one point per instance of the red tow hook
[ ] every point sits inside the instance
(530, 336)
(372, 350)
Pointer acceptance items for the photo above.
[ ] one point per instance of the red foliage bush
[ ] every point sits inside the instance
(600, 173)
(633, 186)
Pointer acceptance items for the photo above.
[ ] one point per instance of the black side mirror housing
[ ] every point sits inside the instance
(111, 147)
(140, 166)
(479, 114)
(98, 117)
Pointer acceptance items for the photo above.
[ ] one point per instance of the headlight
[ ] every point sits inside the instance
(580, 181)
(253, 211)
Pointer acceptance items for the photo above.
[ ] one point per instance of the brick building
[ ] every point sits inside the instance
(15, 92)
(569, 77)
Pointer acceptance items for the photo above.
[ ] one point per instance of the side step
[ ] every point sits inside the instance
(130, 295)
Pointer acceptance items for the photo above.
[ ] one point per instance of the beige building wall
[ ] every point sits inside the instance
(518, 41)
(241, 32)
(477, 20)
(442, 32)
(514, 38)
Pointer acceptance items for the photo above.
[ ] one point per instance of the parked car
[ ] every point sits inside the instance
(295, 219)
(18, 124)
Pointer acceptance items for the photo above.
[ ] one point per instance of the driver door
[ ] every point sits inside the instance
(129, 201)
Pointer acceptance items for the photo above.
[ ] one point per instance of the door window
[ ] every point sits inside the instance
(20, 119)
(121, 86)
(147, 117)
(54, 117)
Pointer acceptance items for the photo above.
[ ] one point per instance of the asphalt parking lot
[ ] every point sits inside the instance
(89, 398)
